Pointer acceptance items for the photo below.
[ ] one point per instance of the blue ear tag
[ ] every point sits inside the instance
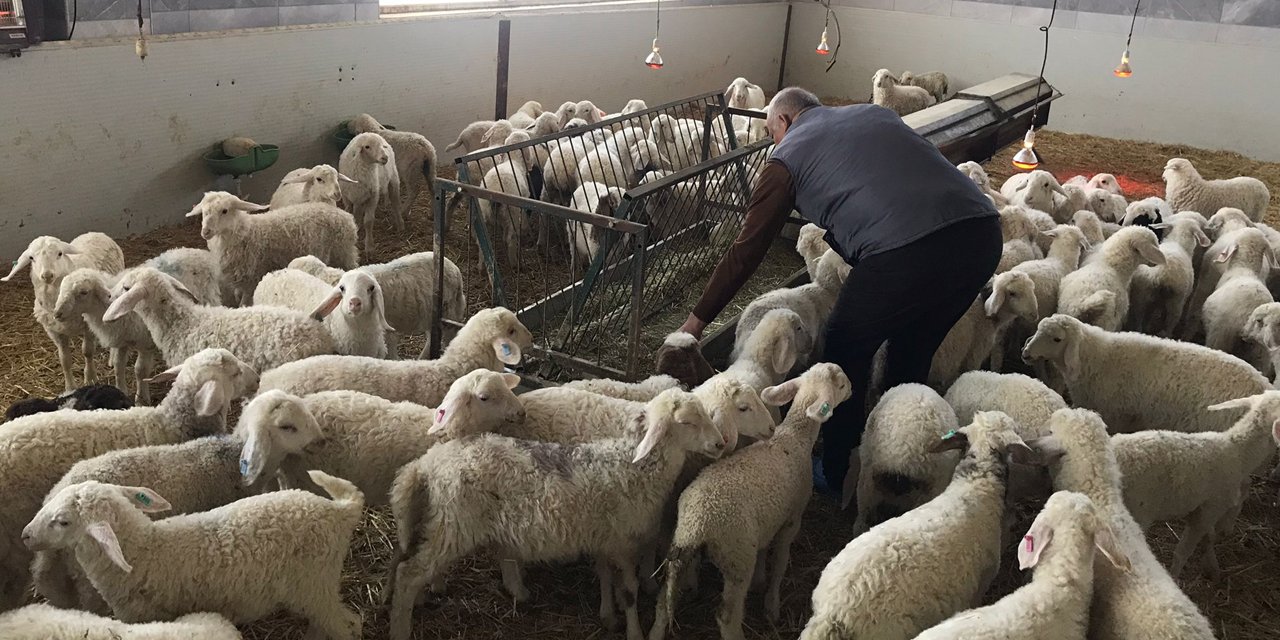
(949, 435)
(244, 467)
(824, 410)
(506, 348)
(142, 497)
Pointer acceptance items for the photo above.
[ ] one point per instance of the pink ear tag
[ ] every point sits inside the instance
(1031, 542)
(439, 416)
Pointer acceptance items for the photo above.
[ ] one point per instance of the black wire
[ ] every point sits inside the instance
(1132, 24)
(75, 13)
(658, 26)
(1043, 63)
(835, 52)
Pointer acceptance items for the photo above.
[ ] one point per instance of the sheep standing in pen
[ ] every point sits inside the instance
(1073, 199)
(1098, 293)
(367, 438)
(353, 309)
(746, 508)
(49, 623)
(1186, 190)
(250, 246)
(266, 337)
(86, 398)
(1025, 399)
(586, 240)
(197, 475)
(1241, 289)
(973, 337)
(1019, 234)
(525, 115)
(1224, 228)
(935, 82)
(471, 136)
(510, 176)
(196, 269)
(1067, 245)
(1142, 602)
(533, 502)
(491, 339)
(1202, 477)
(813, 302)
(86, 293)
(371, 163)
(37, 450)
(888, 92)
(1263, 328)
(897, 472)
(1060, 546)
(51, 260)
(320, 183)
(408, 285)
(1141, 382)
(415, 158)
(1158, 294)
(245, 560)
(885, 583)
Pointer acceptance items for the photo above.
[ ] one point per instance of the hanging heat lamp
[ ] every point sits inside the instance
(823, 49)
(654, 59)
(1125, 69)
(1027, 159)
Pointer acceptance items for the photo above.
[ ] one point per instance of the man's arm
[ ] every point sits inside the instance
(771, 204)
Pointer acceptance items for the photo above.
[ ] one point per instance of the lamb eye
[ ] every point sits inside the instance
(59, 254)
(1057, 339)
(342, 288)
(511, 331)
(484, 397)
(288, 428)
(61, 523)
(744, 408)
(224, 210)
(370, 288)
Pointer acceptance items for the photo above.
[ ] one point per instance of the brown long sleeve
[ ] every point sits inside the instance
(771, 203)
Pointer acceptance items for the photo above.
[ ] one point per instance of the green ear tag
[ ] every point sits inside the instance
(142, 498)
(949, 435)
(824, 410)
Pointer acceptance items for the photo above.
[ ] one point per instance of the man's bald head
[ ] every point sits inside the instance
(785, 106)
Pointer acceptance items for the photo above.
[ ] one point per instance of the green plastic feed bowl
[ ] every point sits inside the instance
(260, 158)
(341, 136)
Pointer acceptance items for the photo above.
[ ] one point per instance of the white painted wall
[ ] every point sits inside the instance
(95, 139)
(1216, 95)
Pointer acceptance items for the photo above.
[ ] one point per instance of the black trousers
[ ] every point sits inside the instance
(909, 297)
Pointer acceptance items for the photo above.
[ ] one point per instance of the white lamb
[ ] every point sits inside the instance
(86, 293)
(1035, 190)
(196, 269)
(250, 246)
(35, 451)
(1027, 400)
(279, 550)
(491, 339)
(813, 303)
(585, 240)
(1142, 602)
(972, 339)
(1060, 547)
(1109, 206)
(1263, 328)
(1098, 181)
(1241, 289)
(525, 115)
(897, 471)
(935, 82)
(409, 285)
(197, 475)
(748, 507)
(979, 176)
(353, 308)
(1166, 384)
(51, 260)
(265, 337)
(1063, 257)
(1158, 295)
(1203, 477)
(885, 583)
(607, 497)
(1223, 227)
(510, 177)
(1073, 199)
(370, 161)
(368, 439)
(1186, 190)
(317, 184)
(415, 157)
(1098, 293)
(49, 623)
(470, 139)
(888, 92)
(642, 391)
(1018, 233)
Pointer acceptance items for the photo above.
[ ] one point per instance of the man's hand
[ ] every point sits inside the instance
(693, 326)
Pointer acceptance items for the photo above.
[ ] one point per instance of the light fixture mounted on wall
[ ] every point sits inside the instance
(1125, 69)
(654, 59)
(1027, 158)
(823, 48)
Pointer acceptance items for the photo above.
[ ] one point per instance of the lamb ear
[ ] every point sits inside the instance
(379, 308)
(168, 375)
(327, 305)
(1020, 453)
(299, 178)
(1201, 239)
(209, 399)
(253, 458)
(1238, 403)
(507, 351)
(1021, 186)
(446, 411)
(125, 303)
(342, 178)
(102, 533)
(1105, 540)
(654, 433)
(248, 206)
(993, 304)
(19, 264)
(784, 356)
(952, 440)
(195, 211)
(511, 379)
(1033, 544)
(146, 500)
(1151, 253)
(781, 394)
(1226, 254)
(1048, 448)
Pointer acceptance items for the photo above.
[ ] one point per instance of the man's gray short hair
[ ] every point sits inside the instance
(793, 100)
